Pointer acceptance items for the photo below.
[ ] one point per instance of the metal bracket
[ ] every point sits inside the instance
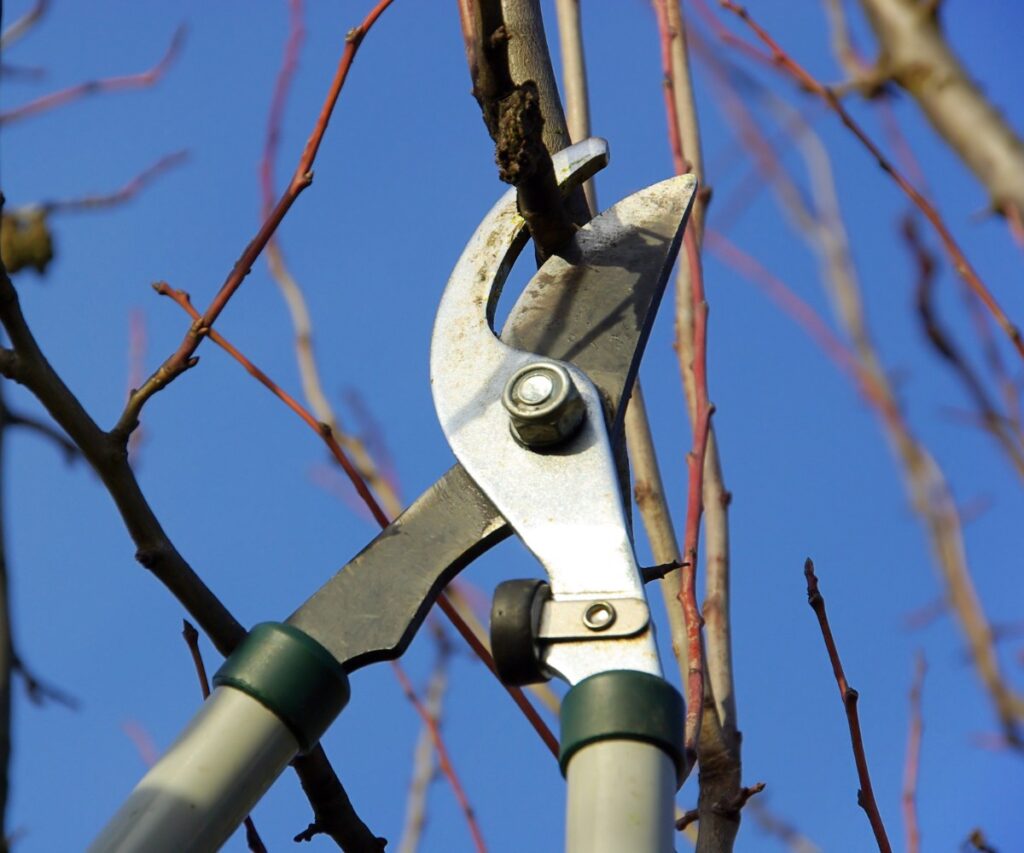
(592, 619)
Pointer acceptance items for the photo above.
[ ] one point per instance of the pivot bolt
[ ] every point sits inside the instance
(544, 404)
(599, 616)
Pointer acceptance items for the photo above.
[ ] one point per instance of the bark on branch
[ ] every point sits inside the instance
(513, 84)
(915, 55)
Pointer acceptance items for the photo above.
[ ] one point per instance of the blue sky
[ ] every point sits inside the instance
(402, 179)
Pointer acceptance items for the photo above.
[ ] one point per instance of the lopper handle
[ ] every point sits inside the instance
(273, 698)
(622, 755)
(195, 796)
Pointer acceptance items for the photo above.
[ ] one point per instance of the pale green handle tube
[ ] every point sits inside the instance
(198, 793)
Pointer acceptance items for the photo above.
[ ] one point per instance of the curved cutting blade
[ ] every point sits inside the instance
(371, 609)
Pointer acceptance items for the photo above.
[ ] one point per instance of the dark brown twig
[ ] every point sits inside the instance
(994, 422)
(46, 430)
(106, 453)
(866, 795)
(191, 635)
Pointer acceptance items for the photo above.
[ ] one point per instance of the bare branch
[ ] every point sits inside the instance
(47, 431)
(93, 87)
(959, 260)
(916, 56)
(183, 358)
(515, 121)
(107, 454)
(866, 795)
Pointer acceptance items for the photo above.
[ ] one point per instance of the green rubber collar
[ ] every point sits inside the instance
(623, 705)
(292, 675)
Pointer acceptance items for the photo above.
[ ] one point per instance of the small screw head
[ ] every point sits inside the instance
(599, 616)
(544, 405)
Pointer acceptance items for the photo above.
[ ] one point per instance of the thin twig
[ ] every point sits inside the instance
(959, 260)
(92, 87)
(191, 635)
(912, 764)
(443, 759)
(46, 430)
(866, 795)
(184, 357)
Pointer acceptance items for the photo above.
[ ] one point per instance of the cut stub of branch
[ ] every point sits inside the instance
(514, 119)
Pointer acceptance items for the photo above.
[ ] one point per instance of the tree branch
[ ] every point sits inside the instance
(184, 357)
(866, 795)
(915, 55)
(107, 454)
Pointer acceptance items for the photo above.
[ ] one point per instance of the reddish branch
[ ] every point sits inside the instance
(912, 765)
(866, 795)
(701, 425)
(191, 635)
(184, 357)
(959, 260)
(92, 87)
(442, 756)
(379, 515)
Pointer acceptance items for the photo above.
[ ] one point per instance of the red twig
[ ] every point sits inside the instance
(324, 432)
(191, 635)
(183, 358)
(912, 765)
(443, 759)
(701, 425)
(865, 796)
(959, 260)
(92, 87)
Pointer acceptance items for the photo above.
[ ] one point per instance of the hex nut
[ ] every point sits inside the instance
(544, 405)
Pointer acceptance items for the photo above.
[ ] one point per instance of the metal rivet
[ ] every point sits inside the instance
(599, 616)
